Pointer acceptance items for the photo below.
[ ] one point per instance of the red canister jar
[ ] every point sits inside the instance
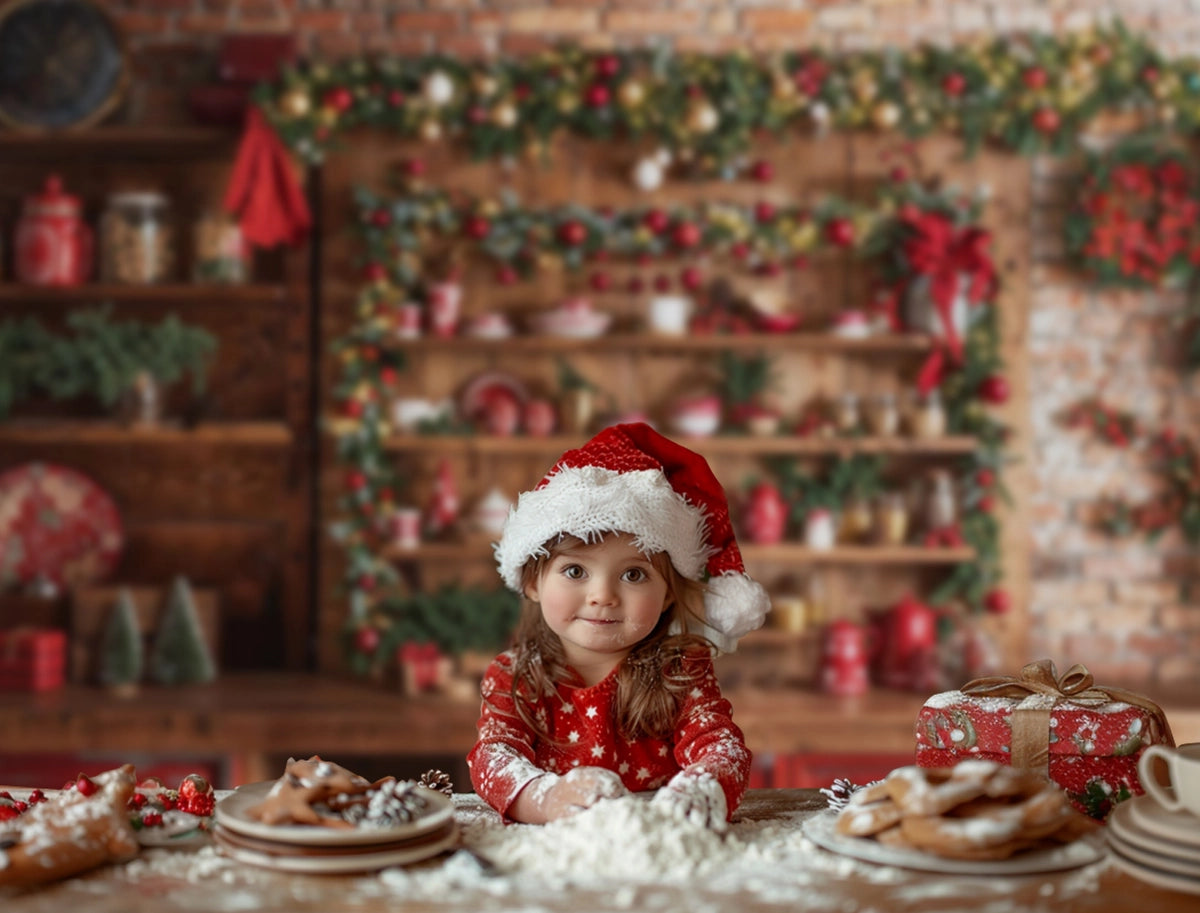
(53, 244)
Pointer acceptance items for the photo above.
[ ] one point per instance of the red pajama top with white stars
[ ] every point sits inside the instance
(508, 754)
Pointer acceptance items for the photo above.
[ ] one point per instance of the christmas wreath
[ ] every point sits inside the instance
(1134, 224)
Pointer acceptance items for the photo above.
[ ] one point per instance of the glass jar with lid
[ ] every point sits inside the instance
(136, 238)
(220, 253)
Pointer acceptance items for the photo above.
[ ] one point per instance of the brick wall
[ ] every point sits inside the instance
(1120, 606)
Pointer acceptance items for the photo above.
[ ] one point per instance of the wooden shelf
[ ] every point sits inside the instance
(23, 431)
(120, 142)
(494, 445)
(166, 293)
(624, 342)
(479, 548)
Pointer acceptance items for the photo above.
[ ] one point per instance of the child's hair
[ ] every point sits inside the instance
(650, 683)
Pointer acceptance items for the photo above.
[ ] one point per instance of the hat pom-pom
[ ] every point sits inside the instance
(734, 606)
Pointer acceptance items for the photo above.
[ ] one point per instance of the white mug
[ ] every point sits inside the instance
(1183, 772)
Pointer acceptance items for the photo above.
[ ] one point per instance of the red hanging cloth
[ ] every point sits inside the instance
(264, 192)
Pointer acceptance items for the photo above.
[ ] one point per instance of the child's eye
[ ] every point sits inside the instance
(573, 572)
(635, 575)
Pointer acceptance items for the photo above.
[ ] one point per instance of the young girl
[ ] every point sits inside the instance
(632, 578)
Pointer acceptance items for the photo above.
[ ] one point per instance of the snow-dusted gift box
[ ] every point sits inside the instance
(1085, 736)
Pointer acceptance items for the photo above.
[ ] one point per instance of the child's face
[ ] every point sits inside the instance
(601, 599)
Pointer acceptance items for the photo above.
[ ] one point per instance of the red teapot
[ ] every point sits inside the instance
(53, 244)
(844, 658)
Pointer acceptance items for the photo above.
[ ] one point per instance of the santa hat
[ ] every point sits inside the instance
(631, 479)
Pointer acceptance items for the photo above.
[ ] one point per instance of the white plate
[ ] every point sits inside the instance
(231, 813)
(1085, 851)
(332, 865)
(1124, 823)
(1144, 855)
(1156, 877)
(1146, 813)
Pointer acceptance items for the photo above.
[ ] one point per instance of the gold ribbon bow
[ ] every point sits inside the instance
(1038, 688)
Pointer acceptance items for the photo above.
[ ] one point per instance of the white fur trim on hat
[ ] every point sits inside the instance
(734, 606)
(588, 501)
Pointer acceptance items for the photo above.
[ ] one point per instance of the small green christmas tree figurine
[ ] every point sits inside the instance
(180, 655)
(121, 648)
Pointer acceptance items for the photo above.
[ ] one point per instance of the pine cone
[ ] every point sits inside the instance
(438, 781)
(839, 793)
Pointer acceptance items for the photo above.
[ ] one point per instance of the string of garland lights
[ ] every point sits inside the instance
(1028, 93)
(909, 233)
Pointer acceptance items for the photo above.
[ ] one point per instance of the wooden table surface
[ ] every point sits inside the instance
(172, 881)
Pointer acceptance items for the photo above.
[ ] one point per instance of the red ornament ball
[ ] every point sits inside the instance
(656, 220)
(997, 601)
(691, 278)
(598, 95)
(366, 640)
(954, 84)
(994, 389)
(572, 233)
(607, 66)
(686, 234)
(762, 170)
(600, 282)
(764, 212)
(339, 98)
(1046, 120)
(840, 232)
(477, 227)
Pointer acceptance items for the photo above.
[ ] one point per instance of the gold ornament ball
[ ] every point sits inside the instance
(295, 103)
(430, 131)
(885, 115)
(486, 85)
(702, 117)
(505, 115)
(631, 94)
(783, 88)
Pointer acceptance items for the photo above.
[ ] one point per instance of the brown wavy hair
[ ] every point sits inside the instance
(651, 681)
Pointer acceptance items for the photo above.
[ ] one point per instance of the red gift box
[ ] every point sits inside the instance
(32, 659)
(1087, 738)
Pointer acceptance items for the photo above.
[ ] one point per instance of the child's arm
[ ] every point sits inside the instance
(710, 749)
(503, 768)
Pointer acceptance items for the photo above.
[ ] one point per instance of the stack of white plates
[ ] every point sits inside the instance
(308, 848)
(1156, 845)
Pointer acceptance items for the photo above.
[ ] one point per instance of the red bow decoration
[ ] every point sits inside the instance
(264, 192)
(933, 247)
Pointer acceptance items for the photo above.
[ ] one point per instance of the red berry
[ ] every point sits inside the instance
(7, 812)
(137, 800)
(20, 806)
(381, 218)
(997, 601)
(691, 278)
(85, 785)
(151, 819)
(764, 212)
(986, 504)
(395, 98)
(357, 481)
(985, 478)
(36, 796)
(414, 168)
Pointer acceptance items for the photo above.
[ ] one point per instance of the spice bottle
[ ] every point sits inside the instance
(883, 416)
(891, 519)
(846, 416)
(136, 239)
(928, 419)
(220, 253)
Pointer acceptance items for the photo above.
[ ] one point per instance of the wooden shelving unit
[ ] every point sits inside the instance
(900, 343)
(748, 445)
(250, 294)
(256, 434)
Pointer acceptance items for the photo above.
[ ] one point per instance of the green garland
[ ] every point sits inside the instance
(396, 233)
(1027, 93)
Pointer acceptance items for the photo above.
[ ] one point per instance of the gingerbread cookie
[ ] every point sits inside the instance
(77, 829)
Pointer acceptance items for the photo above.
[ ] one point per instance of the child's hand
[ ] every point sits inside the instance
(696, 798)
(551, 797)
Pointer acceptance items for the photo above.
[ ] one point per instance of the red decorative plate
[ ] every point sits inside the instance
(483, 389)
(56, 526)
